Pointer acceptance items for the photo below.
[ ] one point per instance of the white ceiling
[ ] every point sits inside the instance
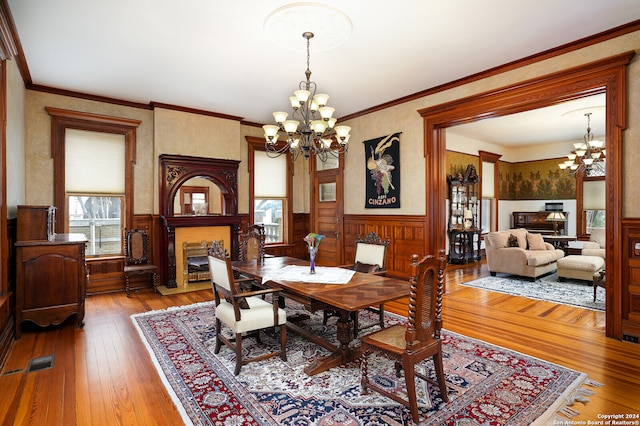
(558, 123)
(215, 55)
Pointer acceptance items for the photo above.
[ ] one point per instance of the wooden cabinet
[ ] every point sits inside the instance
(36, 223)
(50, 280)
(462, 225)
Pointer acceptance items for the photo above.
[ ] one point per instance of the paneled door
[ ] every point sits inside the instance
(327, 208)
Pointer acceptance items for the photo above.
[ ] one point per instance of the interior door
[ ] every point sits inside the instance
(327, 208)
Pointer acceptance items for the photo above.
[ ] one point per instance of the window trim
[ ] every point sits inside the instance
(62, 119)
(257, 144)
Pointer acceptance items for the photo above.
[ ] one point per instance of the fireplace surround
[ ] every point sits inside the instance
(173, 172)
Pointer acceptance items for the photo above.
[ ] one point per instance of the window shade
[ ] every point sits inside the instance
(94, 162)
(270, 175)
(593, 195)
(488, 182)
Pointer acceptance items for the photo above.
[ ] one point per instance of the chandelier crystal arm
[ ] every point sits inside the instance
(312, 129)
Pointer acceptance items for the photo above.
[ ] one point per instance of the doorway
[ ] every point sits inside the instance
(328, 207)
(606, 75)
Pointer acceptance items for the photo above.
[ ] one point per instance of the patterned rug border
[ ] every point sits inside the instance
(575, 392)
(548, 279)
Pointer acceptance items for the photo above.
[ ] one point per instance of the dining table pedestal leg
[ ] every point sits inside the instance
(340, 355)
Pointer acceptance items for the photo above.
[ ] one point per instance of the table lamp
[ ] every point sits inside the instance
(556, 217)
(468, 216)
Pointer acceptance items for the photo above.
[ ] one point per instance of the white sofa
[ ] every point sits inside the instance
(530, 257)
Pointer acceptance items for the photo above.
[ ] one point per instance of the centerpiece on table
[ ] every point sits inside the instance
(313, 241)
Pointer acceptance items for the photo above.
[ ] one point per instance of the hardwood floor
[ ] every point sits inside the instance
(102, 374)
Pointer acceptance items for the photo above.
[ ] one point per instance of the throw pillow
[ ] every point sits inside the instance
(522, 237)
(498, 239)
(536, 242)
(512, 241)
(365, 267)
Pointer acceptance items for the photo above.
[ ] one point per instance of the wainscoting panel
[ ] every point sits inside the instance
(630, 280)
(7, 299)
(406, 233)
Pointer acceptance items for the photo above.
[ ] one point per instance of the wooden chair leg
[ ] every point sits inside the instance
(442, 384)
(126, 285)
(410, 381)
(238, 353)
(381, 315)
(364, 380)
(216, 350)
(283, 342)
(155, 284)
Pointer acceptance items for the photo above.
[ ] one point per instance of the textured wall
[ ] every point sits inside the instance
(15, 178)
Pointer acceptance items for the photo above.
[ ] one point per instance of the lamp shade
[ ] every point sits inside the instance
(556, 216)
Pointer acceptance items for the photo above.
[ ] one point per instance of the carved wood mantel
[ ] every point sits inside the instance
(174, 171)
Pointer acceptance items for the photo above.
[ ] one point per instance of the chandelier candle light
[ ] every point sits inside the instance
(313, 242)
(313, 130)
(586, 153)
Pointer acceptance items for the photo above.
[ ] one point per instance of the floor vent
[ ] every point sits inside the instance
(42, 363)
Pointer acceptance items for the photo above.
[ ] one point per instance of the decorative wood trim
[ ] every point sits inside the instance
(603, 76)
(8, 47)
(174, 171)
(61, 120)
(630, 277)
(491, 157)
(155, 105)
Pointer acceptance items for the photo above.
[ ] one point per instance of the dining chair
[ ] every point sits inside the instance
(410, 344)
(243, 312)
(137, 250)
(371, 258)
(252, 243)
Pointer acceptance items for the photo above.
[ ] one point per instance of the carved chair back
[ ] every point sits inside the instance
(252, 243)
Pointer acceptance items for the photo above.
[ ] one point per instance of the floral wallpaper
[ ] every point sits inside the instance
(529, 180)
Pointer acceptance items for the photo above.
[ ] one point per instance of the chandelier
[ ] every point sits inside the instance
(587, 155)
(312, 129)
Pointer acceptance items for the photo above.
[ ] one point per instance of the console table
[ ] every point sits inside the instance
(559, 241)
(464, 245)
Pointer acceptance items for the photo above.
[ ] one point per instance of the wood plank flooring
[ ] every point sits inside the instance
(102, 374)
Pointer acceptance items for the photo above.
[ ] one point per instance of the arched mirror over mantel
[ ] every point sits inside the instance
(180, 176)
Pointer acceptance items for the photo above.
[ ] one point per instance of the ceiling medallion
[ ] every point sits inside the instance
(331, 26)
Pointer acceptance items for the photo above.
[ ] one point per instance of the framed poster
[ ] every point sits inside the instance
(382, 170)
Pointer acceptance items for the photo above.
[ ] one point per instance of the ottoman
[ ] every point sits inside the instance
(579, 267)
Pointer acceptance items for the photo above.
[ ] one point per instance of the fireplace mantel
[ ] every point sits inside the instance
(174, 171)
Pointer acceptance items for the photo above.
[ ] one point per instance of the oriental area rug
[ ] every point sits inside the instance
(488, 385)
(570, 292)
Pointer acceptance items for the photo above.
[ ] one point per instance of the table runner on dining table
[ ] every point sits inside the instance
(323, 275)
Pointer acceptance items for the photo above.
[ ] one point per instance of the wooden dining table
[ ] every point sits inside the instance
(360, 292)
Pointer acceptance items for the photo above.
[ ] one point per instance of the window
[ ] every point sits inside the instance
(93, 176)
(193, 200)
(270, 190)
(270, 194)
(94, 187)
(593, 204)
